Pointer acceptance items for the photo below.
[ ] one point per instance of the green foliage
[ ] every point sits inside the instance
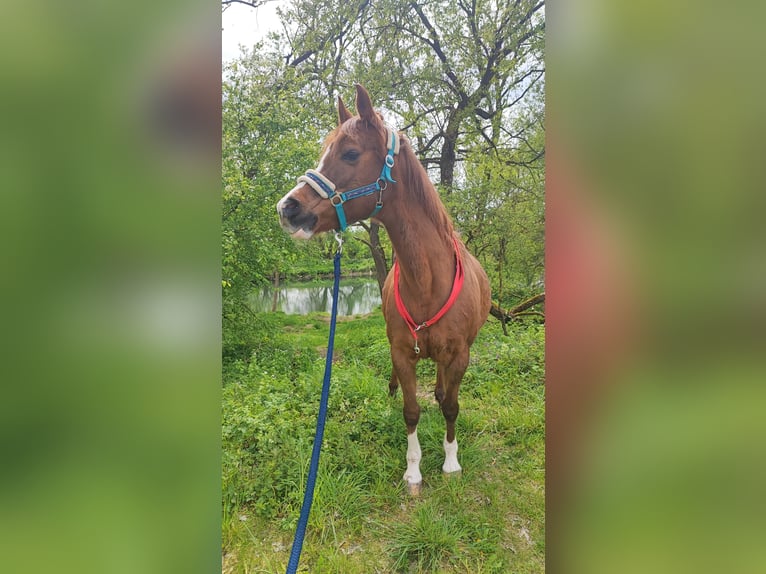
(268, 139)
(501, 212)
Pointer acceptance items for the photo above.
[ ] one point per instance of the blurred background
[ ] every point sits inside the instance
(656, 273)
(656, 287)
(110, 226)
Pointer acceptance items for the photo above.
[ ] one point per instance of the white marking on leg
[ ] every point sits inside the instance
(450, 459)
(412, 475)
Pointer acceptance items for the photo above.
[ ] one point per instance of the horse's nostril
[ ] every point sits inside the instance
(290, 207)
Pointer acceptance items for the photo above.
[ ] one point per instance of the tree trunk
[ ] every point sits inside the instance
(448, 156)
(376, 249)
(275, 300)
(378, 255)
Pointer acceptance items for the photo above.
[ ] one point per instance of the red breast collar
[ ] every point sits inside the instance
(457, 285)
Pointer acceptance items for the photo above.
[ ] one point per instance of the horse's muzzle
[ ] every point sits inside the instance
(294, 219)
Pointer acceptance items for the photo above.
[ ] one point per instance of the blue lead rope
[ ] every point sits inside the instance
(308, 496)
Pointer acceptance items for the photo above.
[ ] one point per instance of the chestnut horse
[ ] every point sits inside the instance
(437, 296)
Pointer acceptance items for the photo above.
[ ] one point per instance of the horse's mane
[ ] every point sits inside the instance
(421, 188)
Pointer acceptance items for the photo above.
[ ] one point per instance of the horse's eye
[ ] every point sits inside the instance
(350, 155)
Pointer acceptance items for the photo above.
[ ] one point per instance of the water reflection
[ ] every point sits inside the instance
(355, 297)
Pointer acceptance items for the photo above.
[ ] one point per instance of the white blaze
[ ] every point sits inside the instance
(321, 161)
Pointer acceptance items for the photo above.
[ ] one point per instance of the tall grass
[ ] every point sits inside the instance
(490, 519)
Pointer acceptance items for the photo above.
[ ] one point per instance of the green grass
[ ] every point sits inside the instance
(489, 519)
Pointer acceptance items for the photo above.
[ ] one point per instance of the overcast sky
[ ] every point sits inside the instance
(244, 25)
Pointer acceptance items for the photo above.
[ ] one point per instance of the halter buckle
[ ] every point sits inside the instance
(339, 198)
(382, 183)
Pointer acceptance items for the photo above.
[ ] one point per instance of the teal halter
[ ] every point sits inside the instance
(326, 189)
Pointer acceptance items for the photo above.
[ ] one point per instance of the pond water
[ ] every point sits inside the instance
(355, 296)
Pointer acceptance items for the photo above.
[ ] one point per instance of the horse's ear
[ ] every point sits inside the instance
(343, 113)
(364, 105)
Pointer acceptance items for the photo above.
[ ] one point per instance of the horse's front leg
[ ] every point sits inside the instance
(404, 367)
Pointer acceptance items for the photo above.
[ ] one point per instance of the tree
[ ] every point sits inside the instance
(250, 3)
(269, 137)
(463, 78)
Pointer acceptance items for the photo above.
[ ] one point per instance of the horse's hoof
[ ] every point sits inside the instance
(453, 474)
(413, 488)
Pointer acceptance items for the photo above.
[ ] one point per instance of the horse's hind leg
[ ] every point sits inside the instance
(439, 390)
(393, 383)
(448, 382)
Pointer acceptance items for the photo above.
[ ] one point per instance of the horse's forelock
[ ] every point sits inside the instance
(355, 128)
(328, 141)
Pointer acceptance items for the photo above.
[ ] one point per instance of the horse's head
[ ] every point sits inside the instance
(353, 156)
